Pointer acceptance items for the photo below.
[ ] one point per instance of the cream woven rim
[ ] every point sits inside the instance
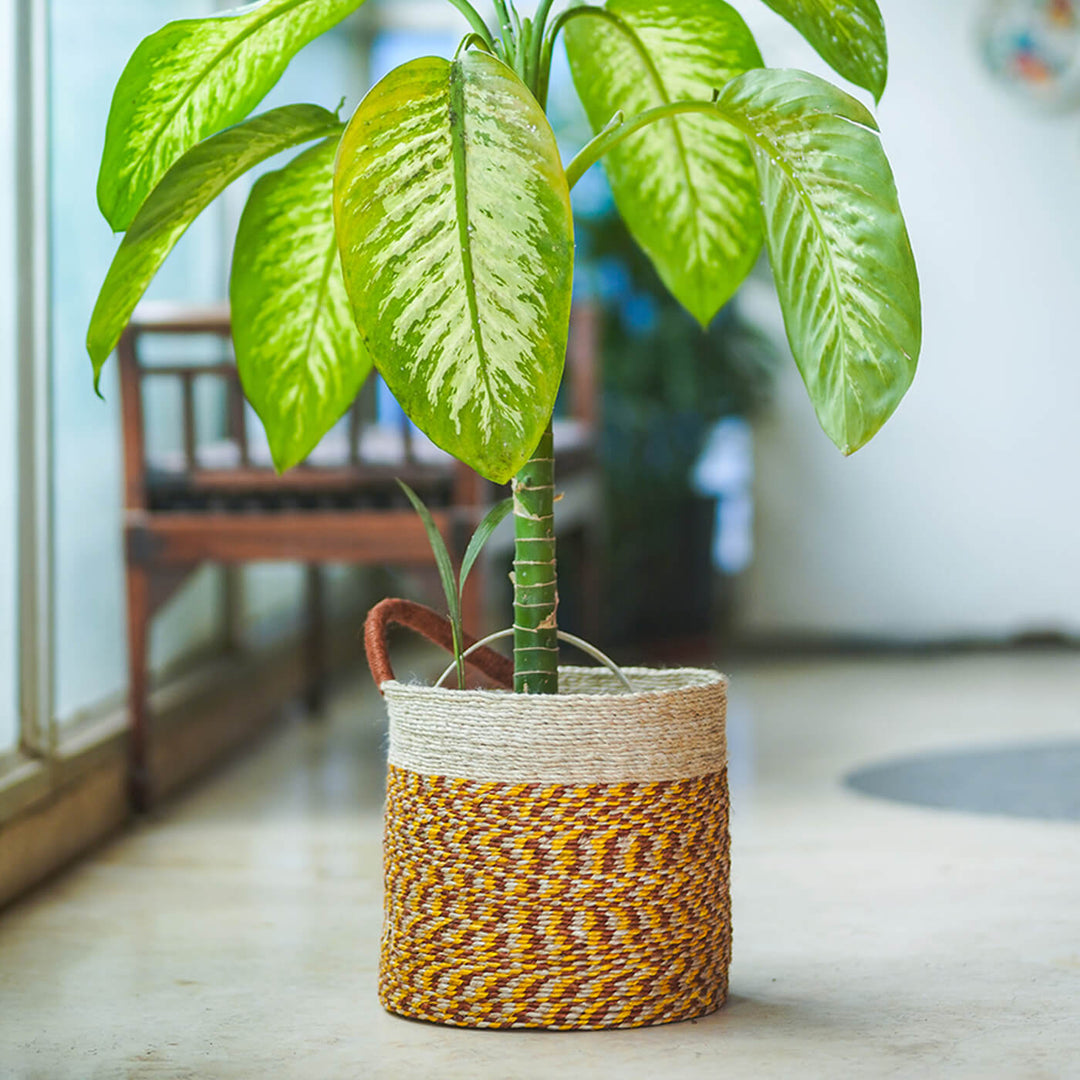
(593, 731)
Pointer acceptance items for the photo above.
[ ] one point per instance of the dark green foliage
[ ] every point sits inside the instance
(663, 389)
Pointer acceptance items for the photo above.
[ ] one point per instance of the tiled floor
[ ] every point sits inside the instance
(237, 934)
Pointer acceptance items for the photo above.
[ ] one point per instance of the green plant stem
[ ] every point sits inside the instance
(506, 32)
(523, 54)
(541, 53)
(503, 15)
(479, 26)
(459, 659)
(611, 136)
(536, 597)
(546, 42)
(540, 18)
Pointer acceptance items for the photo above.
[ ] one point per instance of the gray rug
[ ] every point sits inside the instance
(1028, 781)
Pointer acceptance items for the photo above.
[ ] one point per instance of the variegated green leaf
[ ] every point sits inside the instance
(439, 550)
(300, 358)
(192, 78)
(838, 245)
(184, 192)
(453, 219)
(849, 35)
(685, 186)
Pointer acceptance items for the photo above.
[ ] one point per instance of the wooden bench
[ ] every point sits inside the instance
(217, 498)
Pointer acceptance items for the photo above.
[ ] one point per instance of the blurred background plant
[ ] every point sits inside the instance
(667, 386)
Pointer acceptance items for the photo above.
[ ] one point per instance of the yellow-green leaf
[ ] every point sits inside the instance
(684, 186)
(300, 358)
(838, 245)
(453, 220)
(849, 35)
(192, 78)
(185, 191)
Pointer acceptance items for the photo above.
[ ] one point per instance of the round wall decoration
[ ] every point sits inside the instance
(1034, 45)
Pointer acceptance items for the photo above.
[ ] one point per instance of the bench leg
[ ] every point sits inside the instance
(315, 642)
(138, 618)
(232, 603)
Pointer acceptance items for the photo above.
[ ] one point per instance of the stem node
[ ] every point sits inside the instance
(536, 598)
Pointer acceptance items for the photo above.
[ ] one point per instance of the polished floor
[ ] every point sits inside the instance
(236, 934)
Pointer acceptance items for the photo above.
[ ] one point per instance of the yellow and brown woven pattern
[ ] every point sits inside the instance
(556, 906)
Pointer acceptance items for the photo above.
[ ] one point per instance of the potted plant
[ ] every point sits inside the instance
(552, 859)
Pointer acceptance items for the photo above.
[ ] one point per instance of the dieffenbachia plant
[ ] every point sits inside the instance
(431, 236)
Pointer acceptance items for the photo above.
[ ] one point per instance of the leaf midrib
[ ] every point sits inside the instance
(654, 73)
(320, 297)
(776, 155)
(456, 111)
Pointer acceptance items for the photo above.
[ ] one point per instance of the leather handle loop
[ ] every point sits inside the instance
(435, 628)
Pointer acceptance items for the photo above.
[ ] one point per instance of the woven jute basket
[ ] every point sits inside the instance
(553, 861)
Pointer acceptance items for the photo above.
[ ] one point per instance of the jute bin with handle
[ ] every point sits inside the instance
(553, 861)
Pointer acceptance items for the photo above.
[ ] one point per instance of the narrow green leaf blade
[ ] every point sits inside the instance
(482, 535)
(838, 245)
(849, 35)
(300, 357)
(185, 191)
(685, 187)
(453, 219)
(438, 549)
(192, 78)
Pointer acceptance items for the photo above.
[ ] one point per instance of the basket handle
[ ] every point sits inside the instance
(435, 628)
(572, 639)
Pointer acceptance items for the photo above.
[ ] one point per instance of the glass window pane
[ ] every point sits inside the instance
(8, 464)
(89, 46)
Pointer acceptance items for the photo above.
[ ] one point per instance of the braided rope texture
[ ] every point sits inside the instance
(544, 905)
(670, 727)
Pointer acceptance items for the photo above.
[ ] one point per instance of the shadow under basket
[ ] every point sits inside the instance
(557, 861)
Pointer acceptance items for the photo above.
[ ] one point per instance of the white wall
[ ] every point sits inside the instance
(962, 517)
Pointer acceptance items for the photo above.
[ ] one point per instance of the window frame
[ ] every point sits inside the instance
(25, 770)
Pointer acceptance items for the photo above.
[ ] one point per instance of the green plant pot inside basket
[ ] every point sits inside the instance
(556, 860)
(431, 237)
